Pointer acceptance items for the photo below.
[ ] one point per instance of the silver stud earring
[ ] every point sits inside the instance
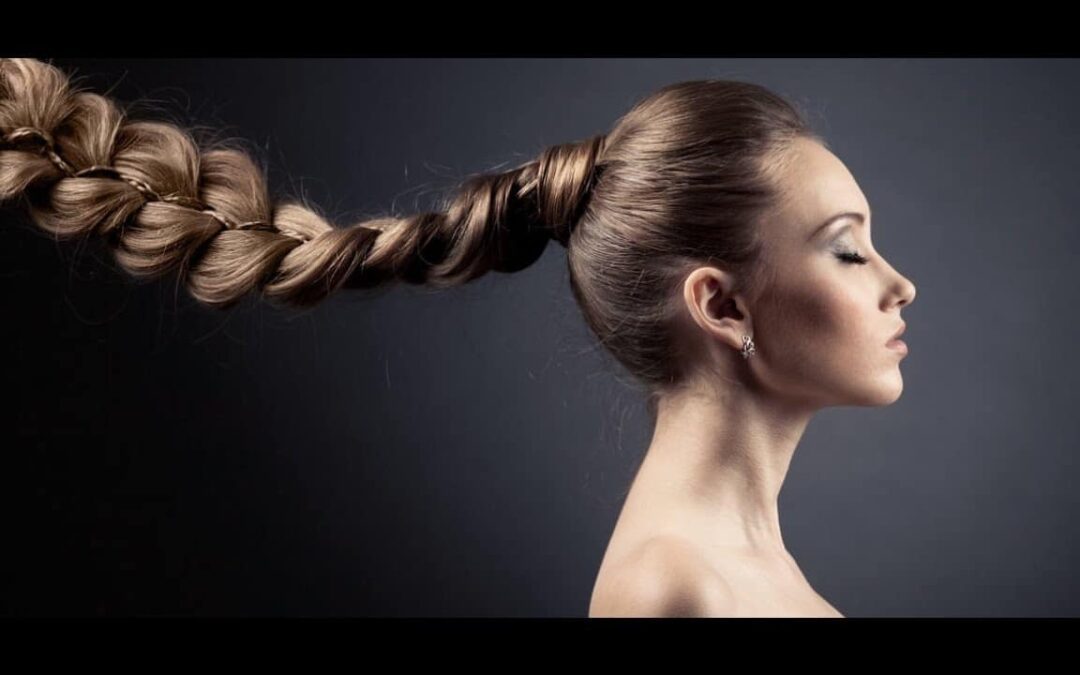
(748, 347)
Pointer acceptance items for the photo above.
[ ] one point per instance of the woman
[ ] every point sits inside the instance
(716, 247)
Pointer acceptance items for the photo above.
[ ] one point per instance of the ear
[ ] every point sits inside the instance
(707, 292)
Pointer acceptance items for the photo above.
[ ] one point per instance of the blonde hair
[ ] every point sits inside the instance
(681, 179)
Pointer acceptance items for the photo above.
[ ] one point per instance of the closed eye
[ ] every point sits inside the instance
(851, 257)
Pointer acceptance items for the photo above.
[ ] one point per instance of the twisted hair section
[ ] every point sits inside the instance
(82, 166)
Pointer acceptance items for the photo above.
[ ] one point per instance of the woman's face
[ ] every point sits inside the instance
(821, 326)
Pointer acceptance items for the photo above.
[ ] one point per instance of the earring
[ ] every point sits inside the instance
(748, 347)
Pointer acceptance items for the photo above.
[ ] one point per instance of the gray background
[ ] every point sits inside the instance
(465, 452)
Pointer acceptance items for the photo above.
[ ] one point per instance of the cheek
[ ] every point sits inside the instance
(816, 315)
(816, 332)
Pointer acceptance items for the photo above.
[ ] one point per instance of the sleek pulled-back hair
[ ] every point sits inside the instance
(682, 179)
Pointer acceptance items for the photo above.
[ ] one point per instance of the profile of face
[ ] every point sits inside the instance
(831, 301)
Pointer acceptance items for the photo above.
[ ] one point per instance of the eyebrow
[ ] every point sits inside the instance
(832, 219)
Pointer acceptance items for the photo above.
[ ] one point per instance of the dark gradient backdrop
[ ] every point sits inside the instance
(465, 452)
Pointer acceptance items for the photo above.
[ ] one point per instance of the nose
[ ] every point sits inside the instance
(907, 291)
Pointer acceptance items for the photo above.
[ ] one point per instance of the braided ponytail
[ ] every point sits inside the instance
(683, 178)
(163, 203)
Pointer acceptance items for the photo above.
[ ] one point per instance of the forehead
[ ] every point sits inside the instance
(815, 185)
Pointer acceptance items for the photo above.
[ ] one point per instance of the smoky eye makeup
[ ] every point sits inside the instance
(845, 251)
(850, 257)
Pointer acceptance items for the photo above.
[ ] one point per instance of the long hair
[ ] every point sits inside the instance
(681, 179)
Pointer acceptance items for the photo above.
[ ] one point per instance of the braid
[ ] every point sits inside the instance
(48, 148)
(164, 204)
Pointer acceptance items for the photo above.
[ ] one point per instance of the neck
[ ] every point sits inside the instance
(718, 461)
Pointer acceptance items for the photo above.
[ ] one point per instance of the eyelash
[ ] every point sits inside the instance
(851, 257)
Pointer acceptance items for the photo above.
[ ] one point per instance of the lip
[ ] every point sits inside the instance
(898, 345)
(897, 334)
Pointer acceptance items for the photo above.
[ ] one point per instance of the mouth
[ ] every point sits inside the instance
(896, 343)
(897, 334)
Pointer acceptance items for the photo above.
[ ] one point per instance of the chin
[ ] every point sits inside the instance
(895, 397)
(891, 394)
(884, 392)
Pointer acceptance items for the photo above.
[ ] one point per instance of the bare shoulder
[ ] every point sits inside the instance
(664, 577)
